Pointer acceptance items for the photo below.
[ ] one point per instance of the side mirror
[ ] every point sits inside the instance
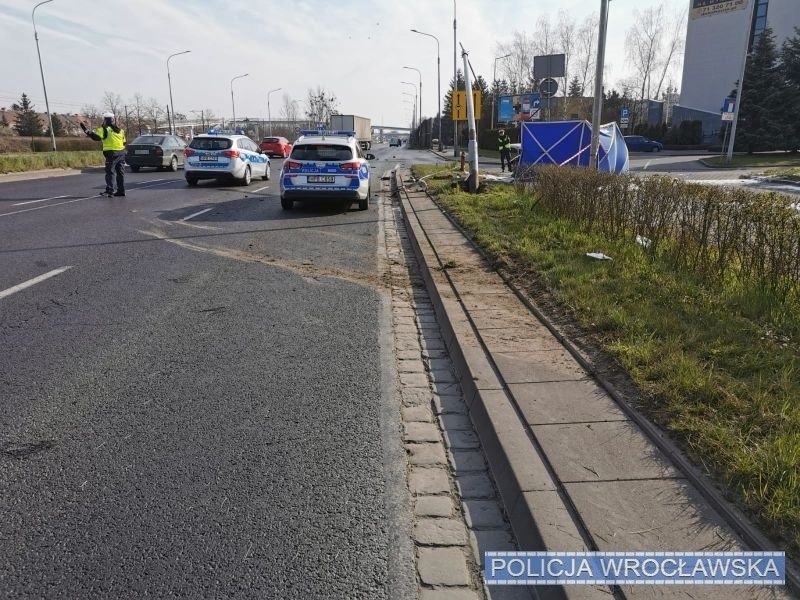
(370, 157)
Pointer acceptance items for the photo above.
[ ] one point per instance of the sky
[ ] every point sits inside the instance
(355, 49)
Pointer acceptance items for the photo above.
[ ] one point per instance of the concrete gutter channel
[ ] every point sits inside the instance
(576, 469)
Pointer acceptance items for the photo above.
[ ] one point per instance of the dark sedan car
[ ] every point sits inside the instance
(639, 143)
(159, 151)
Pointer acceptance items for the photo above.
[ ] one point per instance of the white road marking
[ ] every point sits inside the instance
(24, 210)
(197, 214)
(150, 184)
(35, 201)
(30, 282)
(259, 189)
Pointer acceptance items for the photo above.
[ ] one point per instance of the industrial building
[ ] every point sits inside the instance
(718, 33)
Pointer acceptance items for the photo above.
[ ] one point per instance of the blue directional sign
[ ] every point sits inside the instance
(728, 109)
(625, 113)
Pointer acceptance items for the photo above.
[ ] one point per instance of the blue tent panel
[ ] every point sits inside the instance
(569, 143)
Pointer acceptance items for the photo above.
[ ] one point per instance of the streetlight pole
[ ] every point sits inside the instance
(597, 110)
(740, 87)
(41, 70)
(413, 103)
(494, 82)
(233, 104)
(169, 82)
(416, 93)
(420, 90)
(439, 84)
(455, 82)
(269, 111)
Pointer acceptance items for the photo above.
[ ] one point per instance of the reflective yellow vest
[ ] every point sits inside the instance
(505, 143)
(111, 139)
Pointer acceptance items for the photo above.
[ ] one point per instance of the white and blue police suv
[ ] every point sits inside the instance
(326, 164)
(224, 155)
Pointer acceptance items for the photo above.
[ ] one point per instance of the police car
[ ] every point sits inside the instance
(224, 155)
(326, 164)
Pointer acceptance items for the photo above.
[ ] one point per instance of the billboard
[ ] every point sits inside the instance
(705, 8)
(519, 107)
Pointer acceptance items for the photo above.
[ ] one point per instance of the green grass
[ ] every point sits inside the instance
(787, 173)
(766, 160)
(17, 163)
(717, 367)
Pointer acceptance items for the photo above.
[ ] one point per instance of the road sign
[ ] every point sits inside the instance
(625, 113)
(460, 105)
(728, 109)
(624, 121)
(548, 87)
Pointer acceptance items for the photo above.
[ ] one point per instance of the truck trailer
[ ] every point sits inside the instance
(361, 125)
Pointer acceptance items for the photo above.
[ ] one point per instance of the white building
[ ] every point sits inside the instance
(717, 35)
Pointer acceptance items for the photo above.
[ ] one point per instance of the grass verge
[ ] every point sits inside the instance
(18, 163)
(766, 160)
(717, 367)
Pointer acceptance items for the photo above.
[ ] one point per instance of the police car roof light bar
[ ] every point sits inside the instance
(225, 132)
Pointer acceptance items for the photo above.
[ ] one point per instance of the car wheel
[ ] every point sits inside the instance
(267, 173)
(134, 169)
(192, 181)
(173, 164)
(287, 203)
(248, 176)
(364, 204)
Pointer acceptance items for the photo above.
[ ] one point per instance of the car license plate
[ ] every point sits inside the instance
(208, 157)
(321, 179)
(143, 152)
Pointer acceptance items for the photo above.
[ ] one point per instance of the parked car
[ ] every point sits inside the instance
(639, 143)
(395, 142)
(225, 155)
(159, 151)
(276, 146)
(326, 165)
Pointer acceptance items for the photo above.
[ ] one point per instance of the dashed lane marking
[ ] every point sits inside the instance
(40, 200)
(197, 214)
(31, 282)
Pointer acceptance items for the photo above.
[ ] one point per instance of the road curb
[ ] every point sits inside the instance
(46, 174)
(507, 445)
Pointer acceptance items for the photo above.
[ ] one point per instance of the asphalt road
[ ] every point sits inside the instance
(196, 408)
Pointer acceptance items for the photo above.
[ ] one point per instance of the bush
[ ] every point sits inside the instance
(66, 144)
(654, 132)
(687, 133)
(17, 163)
(717, 233)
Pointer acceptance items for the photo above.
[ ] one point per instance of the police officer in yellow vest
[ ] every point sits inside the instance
(504, 142)
(113, 139)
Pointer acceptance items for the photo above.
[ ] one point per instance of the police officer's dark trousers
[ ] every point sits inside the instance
(505, 159)
(115, 164)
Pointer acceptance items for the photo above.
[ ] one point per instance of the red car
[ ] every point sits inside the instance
(276, 146)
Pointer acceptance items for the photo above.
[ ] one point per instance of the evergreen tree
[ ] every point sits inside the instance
(58, 126)
(575, 89)
(27, 122)
(790, 56)
(447, 109)
(760, 126)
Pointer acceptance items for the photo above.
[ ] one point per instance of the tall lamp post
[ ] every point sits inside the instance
(597, 109)
(494, 82)
(413, 104)
(420, 90)
(416, 94)
(233, 104)
(455, 81)
(269, 112)
(41, 70)
(169, 82)
(439, 84)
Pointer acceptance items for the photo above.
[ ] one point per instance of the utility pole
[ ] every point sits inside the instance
(455, 82)
(734, 123)
(597, 110)
(473, 141)
(41, 70)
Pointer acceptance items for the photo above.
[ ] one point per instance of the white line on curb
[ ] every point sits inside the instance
(34, 281)
(197, 214)
(40, 200)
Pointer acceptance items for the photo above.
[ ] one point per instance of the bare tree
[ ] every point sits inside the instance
(320, 105)
(517, 68)
(566, 35)
(91, 112)
(546, 38)
(112, 102)
(290, 110)
(586, 51)
(154, 113)
(138, 109)
(673, 46)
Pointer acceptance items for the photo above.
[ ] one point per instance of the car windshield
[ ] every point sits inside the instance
(270, 141)
(149, 140)
(322, 152)
(210, 143)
